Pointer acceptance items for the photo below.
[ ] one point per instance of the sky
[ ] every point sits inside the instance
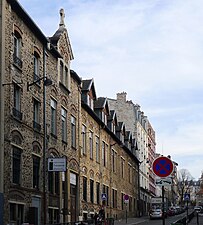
(150, 49)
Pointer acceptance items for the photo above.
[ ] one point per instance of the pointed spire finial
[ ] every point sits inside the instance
(62, 16)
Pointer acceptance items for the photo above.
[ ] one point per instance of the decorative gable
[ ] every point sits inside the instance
(61, 42)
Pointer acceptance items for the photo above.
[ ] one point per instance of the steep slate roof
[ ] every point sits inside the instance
(87, 85)
(112, 115)
(121, 126)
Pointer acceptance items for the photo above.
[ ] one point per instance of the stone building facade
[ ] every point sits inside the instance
(45, 108)
(139, 125)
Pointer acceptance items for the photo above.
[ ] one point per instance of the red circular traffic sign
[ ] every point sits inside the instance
(162, 166)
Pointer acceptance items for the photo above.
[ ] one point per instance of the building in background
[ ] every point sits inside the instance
(143, 133)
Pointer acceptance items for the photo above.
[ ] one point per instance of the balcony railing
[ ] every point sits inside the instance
(36, 126)
(17, 114)
(37, 78)
(17, 61)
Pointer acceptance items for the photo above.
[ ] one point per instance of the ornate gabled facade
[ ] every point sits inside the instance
(39, 122)
(50, 114)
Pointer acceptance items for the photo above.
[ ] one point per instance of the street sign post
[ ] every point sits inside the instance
(162, 166)
(126, 198)
(57, 164)
(103, 196)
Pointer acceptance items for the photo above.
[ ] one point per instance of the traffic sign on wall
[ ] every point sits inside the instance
(162, 166)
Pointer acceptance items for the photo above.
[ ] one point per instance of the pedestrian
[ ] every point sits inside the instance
(95, 218)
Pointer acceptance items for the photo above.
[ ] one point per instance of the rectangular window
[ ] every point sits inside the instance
(91, 191)
(16, 165)
(104, 154)
(129, 173)
(36, 68)
(50, 182)
(53, 182)
(114, 160)
(64, 124)
(122, 167)
(85, 189)
(17, 45)
(98, 192)
(36, 166)
(16, 213)
(61, 72)
(17, 94)
(97, 149)
(114, 198)
(91, 144)
(53, 117)
(84, 141)
(122, 201)
(66, 76)
(17, 102)
(73, 131)
(36, 115)
(54, 215)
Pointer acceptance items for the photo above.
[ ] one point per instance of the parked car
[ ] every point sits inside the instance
(171, 211)
(156, 214)
(198, 209)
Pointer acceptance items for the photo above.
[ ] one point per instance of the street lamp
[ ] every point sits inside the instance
(46, 82)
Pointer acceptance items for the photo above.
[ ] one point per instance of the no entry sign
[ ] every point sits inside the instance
(162, 166)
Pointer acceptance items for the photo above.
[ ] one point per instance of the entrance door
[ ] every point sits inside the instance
(73, 196)
(73, 208)
(36, 202)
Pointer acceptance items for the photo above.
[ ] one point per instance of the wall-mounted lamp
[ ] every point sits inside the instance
(12, 83)
(47, 82)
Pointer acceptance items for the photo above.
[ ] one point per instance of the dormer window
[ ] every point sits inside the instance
(104, 117)
(90, 102)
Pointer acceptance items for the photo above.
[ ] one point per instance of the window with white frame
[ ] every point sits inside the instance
(16, 213)
(73, 131)
(53, 116)
(84, 140)
(91, 144)
(97, 149)
(64, 124)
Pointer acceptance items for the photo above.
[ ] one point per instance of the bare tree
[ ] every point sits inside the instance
(185, 181)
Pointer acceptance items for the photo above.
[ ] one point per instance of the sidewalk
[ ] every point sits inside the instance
(131, 221)
(195, 220)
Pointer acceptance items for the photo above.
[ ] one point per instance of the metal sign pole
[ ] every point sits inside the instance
(126, 213)
(163, 208)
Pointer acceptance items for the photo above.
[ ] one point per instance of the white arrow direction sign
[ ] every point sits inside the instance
(164, 181)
